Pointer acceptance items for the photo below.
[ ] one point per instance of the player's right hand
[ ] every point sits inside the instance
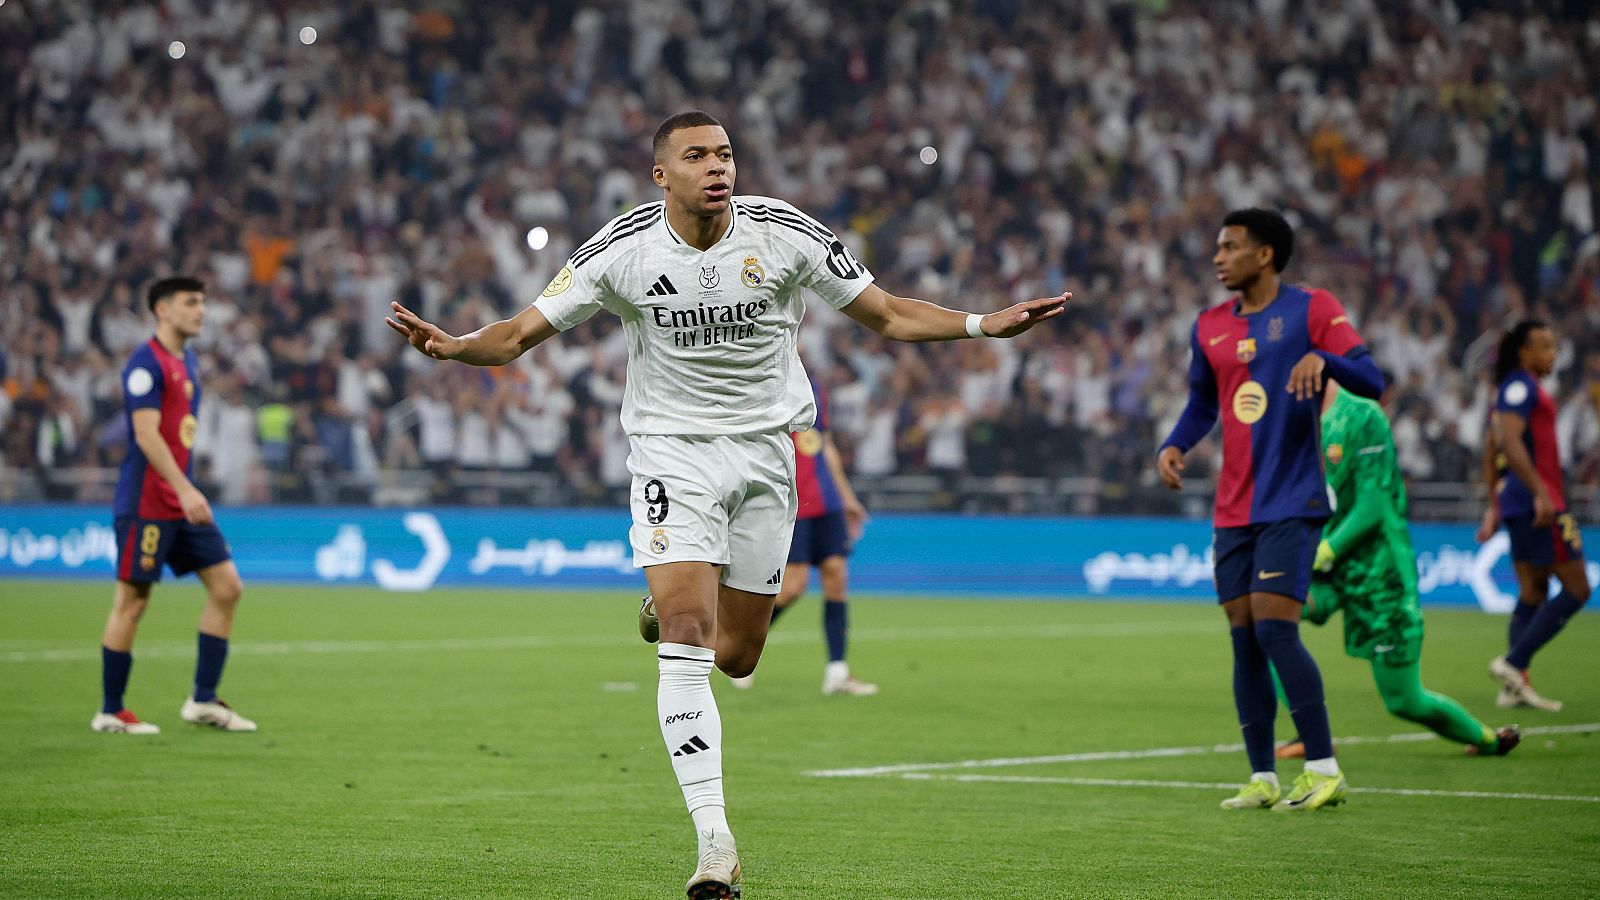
(196, 510)
(428, 338)
(1489, 525)
(1170, 465)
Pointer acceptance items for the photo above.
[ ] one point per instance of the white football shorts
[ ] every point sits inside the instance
(726, 499)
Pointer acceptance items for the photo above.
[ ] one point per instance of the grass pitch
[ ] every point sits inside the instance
(485, 743)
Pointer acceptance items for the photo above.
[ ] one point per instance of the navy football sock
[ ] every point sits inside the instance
(1254, 699)
(834, 624)
(1546, 624)
(1302, 683)
(1521, 615)
(114, 668)
(208, 667)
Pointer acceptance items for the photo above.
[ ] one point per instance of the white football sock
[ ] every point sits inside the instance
(1269, 777)
(692, 729)
(1328, 766)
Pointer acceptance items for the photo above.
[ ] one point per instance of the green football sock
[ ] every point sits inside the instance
(1404, 696)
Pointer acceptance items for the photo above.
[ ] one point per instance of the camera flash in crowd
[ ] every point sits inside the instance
(308, 35)
(176, 49)
(929, 156)
(538, 237)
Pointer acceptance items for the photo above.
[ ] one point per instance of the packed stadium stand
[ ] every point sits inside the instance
(1438, 159)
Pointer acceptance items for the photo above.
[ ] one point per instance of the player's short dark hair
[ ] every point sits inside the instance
(177, 284)
(1268, 228)
(694, 118)
(1508, 357)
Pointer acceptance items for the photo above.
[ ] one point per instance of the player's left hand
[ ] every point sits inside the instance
(856, 519)
(1324, 558)
(1305, 382)
(1011, 322)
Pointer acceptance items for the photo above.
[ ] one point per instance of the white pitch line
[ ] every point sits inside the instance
(1154, 753)
(1221, 786)
(624, 638)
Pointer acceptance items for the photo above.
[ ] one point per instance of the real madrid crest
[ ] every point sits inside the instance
(1246, 350)
(753, 275)
(658, 541)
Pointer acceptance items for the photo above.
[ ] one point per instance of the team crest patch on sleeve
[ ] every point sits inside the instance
(1246, 350)
(659, 542)
(753, 275)
(140, 381)
(1516, 393)
(1335, 453)
(560, 283)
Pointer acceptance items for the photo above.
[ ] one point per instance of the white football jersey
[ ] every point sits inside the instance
(713, 337)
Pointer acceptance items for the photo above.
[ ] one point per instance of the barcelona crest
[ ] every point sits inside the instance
(1246, 350)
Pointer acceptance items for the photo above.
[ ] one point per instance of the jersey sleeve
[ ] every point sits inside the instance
(1373, 450)
(1517, 395)
(821, 396)
(1330, 326)
(831, 269)
(573, 295)
(142, 383)
(1200, 413)
(1369, 449)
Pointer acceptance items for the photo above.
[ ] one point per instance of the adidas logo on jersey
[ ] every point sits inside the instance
(693, 746)
(777, 577)
(661, 288)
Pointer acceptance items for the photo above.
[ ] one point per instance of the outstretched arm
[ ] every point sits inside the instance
(494, 344)
(905, 319)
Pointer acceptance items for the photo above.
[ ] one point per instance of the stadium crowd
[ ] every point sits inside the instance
(313, 161)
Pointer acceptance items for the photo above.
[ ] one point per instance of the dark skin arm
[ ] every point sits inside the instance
(1491, 475)
(1510, 427)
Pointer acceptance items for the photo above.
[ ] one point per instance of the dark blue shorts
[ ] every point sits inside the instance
(1545, 546)
(144, 546)
(1271, 557)
(818, 538)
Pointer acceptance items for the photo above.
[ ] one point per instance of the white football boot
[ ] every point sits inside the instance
(717, 876)
(122, 722)
(836, 679)
(216, 713)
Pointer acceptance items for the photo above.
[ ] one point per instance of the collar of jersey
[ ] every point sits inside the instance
(1238, 301)
(733, 219)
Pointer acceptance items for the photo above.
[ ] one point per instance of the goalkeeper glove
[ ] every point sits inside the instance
(1324, 559)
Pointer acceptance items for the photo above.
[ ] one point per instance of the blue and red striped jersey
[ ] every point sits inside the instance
(157, 379)
(1523, 395)
(813, 480)
(1271, 442)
